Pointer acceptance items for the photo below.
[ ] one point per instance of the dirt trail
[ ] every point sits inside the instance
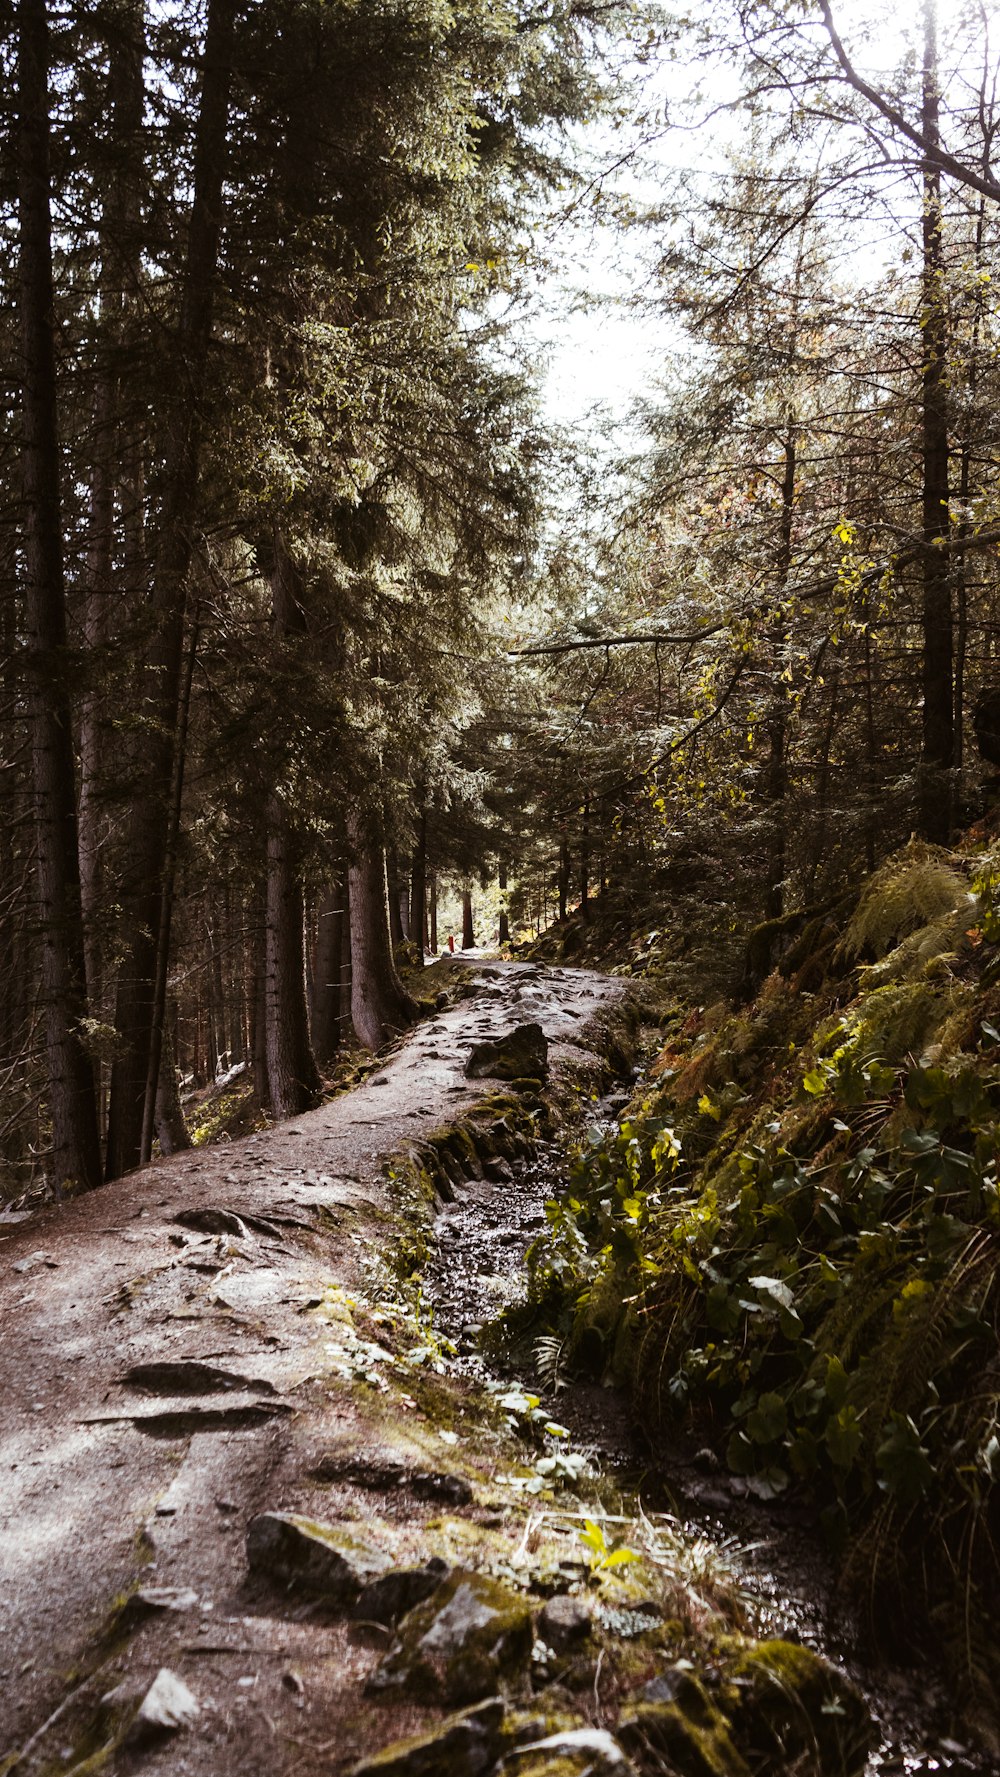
(222, 1258)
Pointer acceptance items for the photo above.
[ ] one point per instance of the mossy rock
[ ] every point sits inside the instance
(326, 1560)
(468, 1640)
(464, 1745)
(690, 1732)
(790, 1708)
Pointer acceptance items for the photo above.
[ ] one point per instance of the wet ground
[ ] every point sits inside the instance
(481, 1269)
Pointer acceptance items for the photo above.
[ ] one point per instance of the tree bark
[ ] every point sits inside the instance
(171, 1129)
(418, 888)
(468, 928)
(434, 914)
(258, 1033)
(380, 1005)
(396, 931)
(134, 1010)
(112, 457)
(935, 779)
(585, 861)
(292, 1075)
(776, 774)
(565, 867)
(71, 1095)
(346, 974)
(326, 976)
(503, 931)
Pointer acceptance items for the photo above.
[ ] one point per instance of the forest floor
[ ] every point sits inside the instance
(207, 1341)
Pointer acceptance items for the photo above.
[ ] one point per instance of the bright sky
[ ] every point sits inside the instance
(613, 354)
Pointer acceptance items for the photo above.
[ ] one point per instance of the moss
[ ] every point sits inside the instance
(691, 1732)
(788, 1704)
(469, 1639)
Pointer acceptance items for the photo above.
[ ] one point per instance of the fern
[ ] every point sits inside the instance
(915, 888)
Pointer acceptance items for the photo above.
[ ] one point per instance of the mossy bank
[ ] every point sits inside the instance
(791, 1243)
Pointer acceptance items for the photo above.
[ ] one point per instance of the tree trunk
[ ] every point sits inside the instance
(134, 1011)
(71, 1096)
(565, 870)
(468, 929)
(292, 1075)
(776, 774)
(938, 737)
(418, 888)
(326, 976)
(395, 915)
(171, 1129)
(965, 491)
(345, 976)
(111, 461)
(434, 914)
(380, 1005)
(503, 932)
(585, 861)
(258, 1034)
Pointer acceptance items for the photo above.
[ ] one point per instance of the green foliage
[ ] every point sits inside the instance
(593, 1253)
(815, 1261)
(914, 889)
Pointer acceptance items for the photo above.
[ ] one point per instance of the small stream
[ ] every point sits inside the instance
(479, 1270)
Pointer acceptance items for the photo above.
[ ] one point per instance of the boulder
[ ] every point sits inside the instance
(470, 1636)
(462, 1746)
(522, 1053)
(327, 1560)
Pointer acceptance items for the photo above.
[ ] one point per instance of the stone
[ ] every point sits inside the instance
(392, 1595)
(461, 1644)
(574, 1752)
(212, 1220)
(326, 1560)
(167, 1708)
(464, 1745)
(150, 1601)
(689, 1732)
(499, 1172)
(522, 1053)
(786, 1701)
(564, 1622)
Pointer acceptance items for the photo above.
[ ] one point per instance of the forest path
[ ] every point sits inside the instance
(232, 1258)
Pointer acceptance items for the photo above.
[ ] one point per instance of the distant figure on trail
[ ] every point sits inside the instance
(451, 942)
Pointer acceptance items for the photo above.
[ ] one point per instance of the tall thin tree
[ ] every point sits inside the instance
(72, 1100)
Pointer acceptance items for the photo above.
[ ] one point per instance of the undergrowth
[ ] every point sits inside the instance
(793, 1240)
